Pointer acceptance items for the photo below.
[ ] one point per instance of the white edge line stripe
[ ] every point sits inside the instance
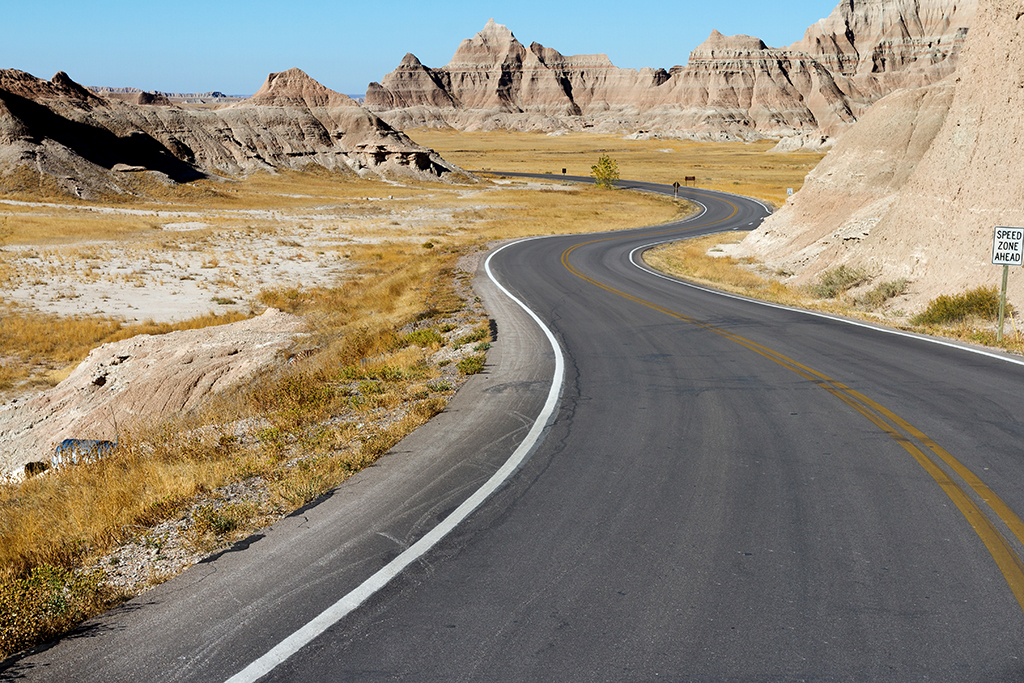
(816, 314)
(356, 597)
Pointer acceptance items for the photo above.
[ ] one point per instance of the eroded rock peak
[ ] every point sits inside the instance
(731, 87)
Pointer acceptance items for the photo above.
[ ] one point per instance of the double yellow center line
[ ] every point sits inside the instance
(950, 474)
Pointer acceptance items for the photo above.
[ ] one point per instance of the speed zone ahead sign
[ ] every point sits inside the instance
(1008, 246)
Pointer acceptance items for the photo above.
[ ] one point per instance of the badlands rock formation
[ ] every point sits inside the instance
(149, 377)
(62, 130)
(916, 187)
(137, 96)
(876, 46)
(732, 87)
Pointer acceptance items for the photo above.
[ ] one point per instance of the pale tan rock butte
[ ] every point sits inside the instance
(916, 187)
(141, 381)
(732, 87)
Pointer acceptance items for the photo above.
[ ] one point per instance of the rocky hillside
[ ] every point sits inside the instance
(875, 46)
(732, 87)
(916, 187)
(146, 379)
(138, 96)
(86, 143)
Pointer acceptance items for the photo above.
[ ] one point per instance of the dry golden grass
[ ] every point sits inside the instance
(57, 522)
(10, 375)
(59, 518)
(41, 226)
(742, 168)
(26, 183)
(571, 210)
(30, 340)
(55, 519)
(690, 259)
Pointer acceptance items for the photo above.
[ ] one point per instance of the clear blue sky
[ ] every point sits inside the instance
(231, 45)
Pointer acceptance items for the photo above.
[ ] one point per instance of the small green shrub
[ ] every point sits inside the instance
(208, 519)
(422, 338)
(834, 282)
(471, 365)
(883, 292)
(430, 407)
(605, 172)
(980, 302)
(48, 601)
(213, 526)
(377, 445)
(479, 334)
(370, 387)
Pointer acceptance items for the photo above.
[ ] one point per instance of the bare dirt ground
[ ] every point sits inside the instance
(179, 264)
(187, 263)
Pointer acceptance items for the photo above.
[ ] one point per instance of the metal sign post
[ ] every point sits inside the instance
(1002, 304)
(1007, 250)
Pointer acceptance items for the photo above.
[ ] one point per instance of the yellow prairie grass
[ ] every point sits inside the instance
(738, 167)
(63, 517)
(42, 519)
(573, 210)
(694, 260)
(44, 225)
(691, 259)
(56, 522)
(41, 338)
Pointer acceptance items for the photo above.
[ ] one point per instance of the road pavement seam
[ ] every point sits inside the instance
(333, 614)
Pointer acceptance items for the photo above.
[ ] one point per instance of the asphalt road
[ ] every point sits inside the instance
(726, 492)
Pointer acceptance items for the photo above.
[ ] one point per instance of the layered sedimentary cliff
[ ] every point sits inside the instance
(916, 187)
(84, 142)
(731, 87)
(876, 46)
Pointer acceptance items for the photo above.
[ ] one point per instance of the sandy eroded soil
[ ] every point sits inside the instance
(188, 263)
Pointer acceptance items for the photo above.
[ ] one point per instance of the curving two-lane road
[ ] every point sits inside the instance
(726, 492)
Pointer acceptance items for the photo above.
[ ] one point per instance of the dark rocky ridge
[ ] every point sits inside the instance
(84, 142)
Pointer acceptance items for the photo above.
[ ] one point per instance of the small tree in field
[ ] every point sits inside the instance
(606, 172)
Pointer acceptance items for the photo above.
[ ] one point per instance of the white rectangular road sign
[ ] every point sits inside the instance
(1008, 246)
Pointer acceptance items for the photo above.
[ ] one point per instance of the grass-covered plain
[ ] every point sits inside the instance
(738, 167)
